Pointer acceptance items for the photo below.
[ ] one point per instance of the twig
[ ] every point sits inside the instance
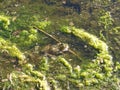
(47, 34)
(72, 52)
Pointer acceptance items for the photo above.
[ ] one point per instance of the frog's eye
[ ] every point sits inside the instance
(59, 44)
(66, 48)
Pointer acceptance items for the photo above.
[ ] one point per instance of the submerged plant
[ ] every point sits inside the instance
(58, 73)
(11, 49)
(26, 38)
(27, 79)
(4, 22)
(4, 26)
(106, 22)
(101, 69)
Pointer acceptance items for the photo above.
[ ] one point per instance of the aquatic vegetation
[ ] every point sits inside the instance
(66, 64)
(88, 38)
(43, 65)
(105, 21)
(4, 22)
(29, 37)
(11, 49)
(26, 38)
(43, 24)
(4, 26)
(58, 72)
(116, 29)
(28, 79)
(29, 75)
(101, 67)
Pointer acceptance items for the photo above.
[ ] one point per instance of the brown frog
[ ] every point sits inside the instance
(55, 50)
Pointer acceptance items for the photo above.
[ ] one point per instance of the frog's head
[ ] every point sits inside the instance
(63, 47)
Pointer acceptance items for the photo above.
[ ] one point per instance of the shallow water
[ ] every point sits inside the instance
(25, 13)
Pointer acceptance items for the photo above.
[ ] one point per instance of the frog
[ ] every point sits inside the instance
(55, 50)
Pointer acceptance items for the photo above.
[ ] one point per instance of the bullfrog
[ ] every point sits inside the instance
(55, 50)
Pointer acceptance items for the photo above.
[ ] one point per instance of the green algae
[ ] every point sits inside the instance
(11, 49)
(98, 70)
(67, 75)
(102, 66)
(86, 37)
(4, 22)
(67, 65)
